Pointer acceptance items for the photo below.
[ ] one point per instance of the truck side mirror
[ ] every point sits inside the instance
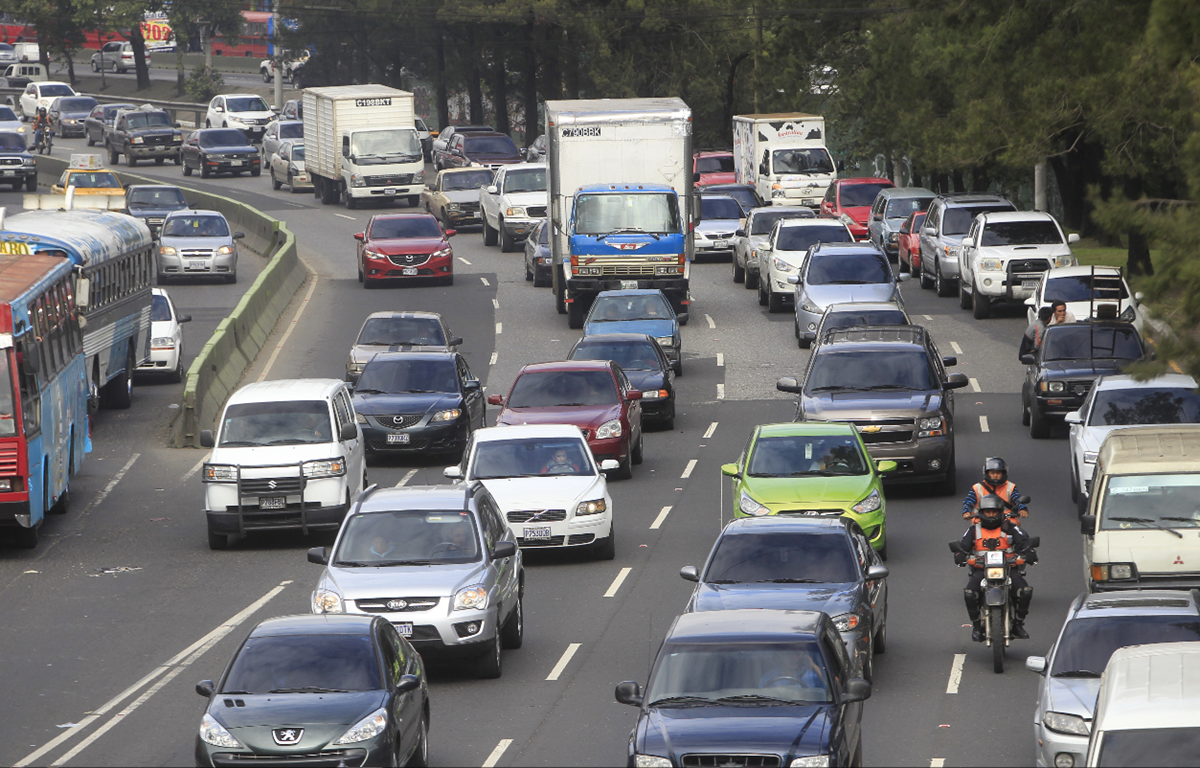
(1027, 359)
(695, 178)
(1072, 238)
(206, 438)
(1087, 524)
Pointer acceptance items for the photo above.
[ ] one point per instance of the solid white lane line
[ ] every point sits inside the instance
(113, 483)
(975, 384)
(662, 517)
(956, 670)
(617, 582)
(563, 661)
(687, 472)
(957, 349)
(484, 281)
(983, 425)
(188, 475)
(497, 753)
(494, 356)
(720, 360)
(344, 216)
(464, 261)
(495, 304)
(499, 328)
(406, 478)
(711, 429)
(312, 286)
(712, 324)
(720, 391)
(937, 762)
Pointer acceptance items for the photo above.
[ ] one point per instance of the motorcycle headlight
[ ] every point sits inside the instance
(514, 212)
(219, 473)
(448, 415)
(593, 507)
(137, 140)
(212, 732)
(751, 507)
(845, 622)
(609, 429)
(782, 266)
(472, 597)
(869, 504)
(990, 265)
(225, 250)
(368, 728)
(812, 761)
(326, 468)
(995, 573)
(326, 601)
(166, 250)
(665, 341)
(1064, 723)
(162, 342)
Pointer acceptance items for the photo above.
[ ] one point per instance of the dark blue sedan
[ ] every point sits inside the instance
(645, 364)
(772, 687)
(644, 310)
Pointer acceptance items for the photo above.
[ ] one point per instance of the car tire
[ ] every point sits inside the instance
(217, 541)
(276, 183)
(751, 281)
(902, 266)
(677, 366)
(30, 184)
(204, 171)
(926, 280)
(95, 66)
(982, 308)
(944, 286)
(177, 374)
(231, 278)
(774, 302)
(1074, 484)
(739, 273)
(637, 452)
(489, 234)
(489, 665)
(187, 170)
(506, 242)
(1039, 426)
(575, 315)
(266, 76)
(668, 422)
(606, 548)
(420, 755)
(513, 633)
(130, 160)
(763, 293)
(528, 274)
(880, 642)
(159, 160)
(965, 300)
(256, 172)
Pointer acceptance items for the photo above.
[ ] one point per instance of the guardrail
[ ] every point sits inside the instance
(173, 108)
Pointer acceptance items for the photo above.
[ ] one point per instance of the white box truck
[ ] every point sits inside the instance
(620, 199)
(784, 156)
(361, 143)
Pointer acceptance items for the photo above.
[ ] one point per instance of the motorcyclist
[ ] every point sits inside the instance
(41, 122)
(995, 482)
(993, 532)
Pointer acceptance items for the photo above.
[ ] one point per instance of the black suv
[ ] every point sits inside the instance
(152, 202)
(143, 134)
(890, 382)
(1060, 373)
(17, 166)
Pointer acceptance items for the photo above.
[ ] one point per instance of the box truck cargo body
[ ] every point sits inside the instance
(784, 156)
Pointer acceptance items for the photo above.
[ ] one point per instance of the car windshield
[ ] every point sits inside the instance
(160, 309)
(839, 268)
(957, 220)
(630, 355)
(719, 164)
(289, 130)
(860, 195)
(1088, 643)
(404, 227)
(1127, 407)
(1149, 747)
(531, 457)
(7, 115)
(56, 90)
(466, 180)
(156, 196)
(761, 221)
(525, 181)
(77, 105)
(1140, 502)
(815, 160)
(222, 137)
(549, 389)
(849, 319)
(712, 207)
(304, 664)
(774, 556)
(298, 152)
(604, 214)
(12, 141)
(407, 537)
(1021, 233)
(636, 307)
(802, 455)
(246, 104)
(691, 674)
(489, 145)
(195, 226)
(1084, 288)
(879, 369)
(803, 238)
(93, 180)
(276, 423)
(386, 145)
(397, 376)
(1085, 341)
(901, 207)
(391, 331)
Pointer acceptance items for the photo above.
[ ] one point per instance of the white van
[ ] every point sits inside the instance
(21, 75)
(286, 455)
(1140, 529)
(1148, 709)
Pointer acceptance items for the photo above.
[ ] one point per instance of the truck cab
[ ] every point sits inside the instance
(784, 157)
(382, 162)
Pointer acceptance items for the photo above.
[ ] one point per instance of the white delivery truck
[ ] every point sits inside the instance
(784, 156)
(361, 143)
(620, 199)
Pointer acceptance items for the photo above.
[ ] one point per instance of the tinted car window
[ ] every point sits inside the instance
(159, 309)
(7, 114)
(1149, 746)
(714, 165)
(496, 459)
(489, 145)
(901, 207)
(1087, 644)
(56, 90)
(1125, 407)
(791, 671)
(289, 423)
(763, 221)
(643, 307)
(958, 220)
(719, 208)
(860, 195)
(848, 269)
(546, 389)
(1083, 341)
(222, 138)
(76, 105)
(870, 370)
(782, 557)
(416, 226)
(408, 536)
(196, 226)
(1083, 288)
(630, 355)
(167, 196)
(803, 238)
(525, 181)
(467, 180)
(402, 330)
(246, 104)
(801, 161)
(291, 131)
(872, 317)
(1021, 233)
(407, 376)
(799, 456)
(294, 663)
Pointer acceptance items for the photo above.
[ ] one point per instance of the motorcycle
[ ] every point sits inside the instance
(45, 141)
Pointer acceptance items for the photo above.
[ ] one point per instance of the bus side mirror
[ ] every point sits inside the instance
(83, 292)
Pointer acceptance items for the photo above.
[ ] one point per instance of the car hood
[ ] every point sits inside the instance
(498, 157)
(442, 580)
(717, 177)
(800, 730)
(416, 402)
(162, 328)
(398, 246)
(137, 209)
(646, 380)
(1153, 550)
(841, 406)
(547, 492)
(1090, 438)
(1084, 368)
(11, 125)
(243, 116)
(198, 243)
(718, 226)
(824, 295)
(1045, 251)
(74, 115)
(462, 195)
(18, 152)
(525, 199)
(652, 328)
(833, 599)
(324, 716)
(859, 213)
(1072, 695)
(273, 457)
(361, 353)
(583, 416)
(809, 491)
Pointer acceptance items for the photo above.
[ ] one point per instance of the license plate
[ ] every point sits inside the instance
(390, 191)
(540, 533)
(273, 502)
(404, 630)
(1029, 285)
(397, 439)
(629, 285)
(197, 265)
(408, 271)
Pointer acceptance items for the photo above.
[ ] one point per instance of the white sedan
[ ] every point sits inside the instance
(40, 95)
(1084, 289)
(166, 338)
(550, 489)
(784, 254)
(1121, 401)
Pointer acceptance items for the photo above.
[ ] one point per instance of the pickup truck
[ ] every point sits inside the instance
(514, 203)
(291, 62)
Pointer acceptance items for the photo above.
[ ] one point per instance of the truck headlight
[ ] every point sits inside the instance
(219, 473)
(514, 211)
(665, 341)
(812, 761)
(326, 601)
(1113, 572)
(29, 160)
(593, 507)
(1064, 723)
(1067, 260)
(419, 176)
(472, 597)
(869, 504)
(751, 507)
(356, 180)
(137, 140)
(325, 468)
(609, 429)
(929, 427)
(453, 206)
(845, 622)
(990, 265)
(1052, 386)
(448, 415)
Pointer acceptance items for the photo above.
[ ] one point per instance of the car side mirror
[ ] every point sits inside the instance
(1072, 238)
(183, 319)
(949, 361)
(629, 693)
(1036, 664)
(886, 465)
(238, 235)
(956, 381)
(471, 385)
(1139, 296)
(730, 470)
(610, 465)
(1087, 524)
(492, 189)
(633, 394)
(503, 549)
(1031, 302)
(455, 341)
(451, 232)
(318, 556)
(360, 236)
(788, 384)
(454, 472)
(1027, 358)
(688, 573)
(928, 231)
(793, 279)
(218, 110)
(1073, 418)
(408, 683)
(857, 689)
(205, 688)
(348, 432)
(206, 438)
(682, 318)
(903, 277)
(876, 572)
(495, 399)
(176, 125)
(740, 233)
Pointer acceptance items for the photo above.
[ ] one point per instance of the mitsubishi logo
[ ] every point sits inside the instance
(397, 605)
(1178, 560)
(629, 246)
(286, 737)
(872, 429)
(272, 484)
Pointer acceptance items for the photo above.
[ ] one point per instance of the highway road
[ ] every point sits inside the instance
(123, 608)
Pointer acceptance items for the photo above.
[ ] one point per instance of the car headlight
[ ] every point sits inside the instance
(991, 265)
(845, 622)
(609, 429)
(137, 140)
(219, 473)
(812, 761)
(326, 601)
(447, 415)
(665, 341)
(654, 394)
(869, 504)
(845, 219)
(472, 597)
(1067, 260)
(1052, 386)
(369, 254)
(368, 728)
(1129, 314)
(361, 419)
(651, 761)
(893, 236)
(325, 468)
(751, 507)
(930, 426)
(225, 250)
(166, 250)
(453, 206)
(440, 253)
(1064, 723)
(782, 266)
(809, 307)
(514, 211)
(212, 732)
(594, 507)
(29, 161)
(162, 341)
(1089, 457)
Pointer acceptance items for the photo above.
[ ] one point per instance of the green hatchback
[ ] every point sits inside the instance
(811, 468)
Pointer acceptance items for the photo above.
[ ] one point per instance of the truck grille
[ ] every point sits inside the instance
(543, 515)
(10, 161)
(409, 259)
(1079, 387)
(730, 761)
(273, 486)
(627, 269)
(885, 430)
(381, 604)
(158, 140)
(536, 211)
(468, 206)
(388, 181)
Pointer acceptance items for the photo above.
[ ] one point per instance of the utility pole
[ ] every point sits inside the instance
(280, 65)
(1039, 186)
(206, 44)
(757, 49)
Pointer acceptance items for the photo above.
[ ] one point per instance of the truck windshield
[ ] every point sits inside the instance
(1142, 502)
(688, 674)
(390, 146)
(276, 423)
(1083, 341)
(603, 214)
(814, 160)
(1149, 746)
(870, 370)
(525, 181)
(148, 120)
(466, 180)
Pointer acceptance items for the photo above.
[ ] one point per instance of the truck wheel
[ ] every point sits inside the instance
(114, 156)
(964, 299)
(414, 201)
(1039, 426)
(349, 200)
(559, 304)
(187, 170)
(130, 160)
(575, 314)
(489, 234)
(983, 308)
(329, 192)
(25, 538)
(506, 241)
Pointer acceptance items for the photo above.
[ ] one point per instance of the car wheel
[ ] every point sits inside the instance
(514, 629)
(528, 273)
(231, 278)
(420, 755)
(774, 301)
(95, 66)
(488, 666)
(964, 298)
(677, 366)
(266, 76)
(30, 184)
(751, 279)
(256, 172)
(217, 541)
(275, 183)
(114, 156)
(901, 265)
(668, 422)
(763, 296)
(943, 285)
(739, 273)
(559, 303)
(204, 170)
(489, 234)
(1039, 426)
(982, 307)
(926, 280)
(636, 453)
(90, 141)
(880, 644)
(606, 548)
(130, 160)
(187, 170)
(177, 375)
(506, 241)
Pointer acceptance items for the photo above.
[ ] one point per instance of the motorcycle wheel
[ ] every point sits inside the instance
(998, 631)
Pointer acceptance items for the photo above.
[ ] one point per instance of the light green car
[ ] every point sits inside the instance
(809, 468)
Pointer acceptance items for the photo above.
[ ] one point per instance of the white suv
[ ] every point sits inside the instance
(1003, 256)
(245, 111)
(784, 255)
(288, 455)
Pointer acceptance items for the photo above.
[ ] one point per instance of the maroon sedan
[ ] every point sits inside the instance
(594, 395)
(404, 246)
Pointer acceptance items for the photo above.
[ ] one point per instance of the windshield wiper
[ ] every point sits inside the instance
(361, 391)
(1146, 521)
(1181, 520)
(723, 581)
(292, 441)
(789, 581)
(628, 230)
(1077, 673)
(754, 698)
(237, 693)
(352, 564)
(238, 443)
(309, 689)
(420, 392)
(681, 700)
(385, 563)
(840, 388)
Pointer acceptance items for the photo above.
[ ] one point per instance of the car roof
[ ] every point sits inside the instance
(1158, 602)
(1151, 449)
(283, 390)
(44, 83)
(748, 625)
(432, 497)
(811, 221)
(239, 95)
(314, 624)
(195, 212)
(862, 180)
(1088, 323)
(862, 306)
(855, 247)
(395, 216)
(709, 189)
(1004, 216)
(1126, 381)
(1152, 686)
(972, 198)
(630, 292)
(889, 335)
(566, 365)
(805, 428)
(154, 186)
(465, 168)
(523, 166)
(783, 209)
(522, 431)
(489, 134)
(412, 313)
(785, 524)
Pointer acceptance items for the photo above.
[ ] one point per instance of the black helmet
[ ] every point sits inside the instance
(41, 110)
(991, 511)
(995, 464)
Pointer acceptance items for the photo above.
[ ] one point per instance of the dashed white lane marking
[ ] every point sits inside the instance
(406, 478)
(617, 582)
(956, 670)
(188, 475)
(485, 282)
(957, 349)
(662, 518)
(720, 360)
(983, 425)
(312, 286)
(687, 472)
(975, 384)
(499, 328)
(563, 661)
(464, 261)
(720, 391)
(113, 483)
(927, 317)
(344, 216)
(494, 356)
(711, 429)
(711, 323)
(495, 304)
(937, 762)
(497, 753)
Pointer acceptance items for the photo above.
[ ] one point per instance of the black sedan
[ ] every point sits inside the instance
(538, 257)
(645, 365)
(220, 150)
(99, 120)
(318, 690)
(772, 684)
(418, 402)
(68, 113)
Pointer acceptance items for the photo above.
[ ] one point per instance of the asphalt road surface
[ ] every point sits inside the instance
(122, 609)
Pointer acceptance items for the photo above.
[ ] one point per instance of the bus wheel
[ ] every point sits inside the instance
(118, 393)
(62, 506)
(25, 538)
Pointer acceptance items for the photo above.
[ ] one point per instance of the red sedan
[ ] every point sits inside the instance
(713, 168)
(850, 201)
(594, 395)
(908, 244)
(404, 246)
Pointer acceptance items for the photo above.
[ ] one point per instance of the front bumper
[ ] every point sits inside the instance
(313, 517)
(1051, 743)
(160, 361)
(572, 532)
(248, 163)
(948, 263)
(444, 437)
(464, 216)
(379, 754)
(518, 229)
(147, 151)
(915, 461)
(443, 632)
(177, 265)
(806, 321)
(1059, 405)
(366, 193)
(609, 448)
(658, 408)
(65, 131)
(17, 173)
(674, 288)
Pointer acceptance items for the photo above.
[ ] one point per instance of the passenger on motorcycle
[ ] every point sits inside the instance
(993, 532)
(995, 482)
(41, 122)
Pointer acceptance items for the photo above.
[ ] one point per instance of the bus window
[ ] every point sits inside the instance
(31, 400)
(8, 420)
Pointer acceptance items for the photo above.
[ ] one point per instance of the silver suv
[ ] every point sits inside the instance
(197, 244)
(948, 220)
(439, 562)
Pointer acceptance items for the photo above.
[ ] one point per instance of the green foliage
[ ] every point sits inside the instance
(203, 84)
